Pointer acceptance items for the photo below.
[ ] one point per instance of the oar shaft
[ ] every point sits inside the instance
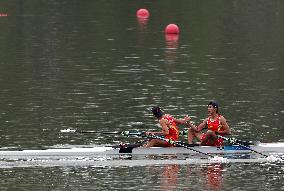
(124, 133)
(99, 132)
(81, 131)
(238, 142)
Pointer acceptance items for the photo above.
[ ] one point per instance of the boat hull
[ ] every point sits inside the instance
(106, 150)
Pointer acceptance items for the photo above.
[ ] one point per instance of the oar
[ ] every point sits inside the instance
(239, 142)
(124, 133)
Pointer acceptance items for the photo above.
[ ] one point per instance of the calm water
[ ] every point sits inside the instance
(92, 65)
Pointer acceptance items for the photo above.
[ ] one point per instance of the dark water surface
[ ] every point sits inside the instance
(148, 177)
(92, 65)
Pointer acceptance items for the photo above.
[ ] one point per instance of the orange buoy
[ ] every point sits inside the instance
(142, 13)
(172, 29)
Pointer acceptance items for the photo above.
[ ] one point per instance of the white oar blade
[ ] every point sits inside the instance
(68, 131)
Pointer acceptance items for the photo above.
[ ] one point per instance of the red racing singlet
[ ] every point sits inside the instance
(214, 125)
(173, 129)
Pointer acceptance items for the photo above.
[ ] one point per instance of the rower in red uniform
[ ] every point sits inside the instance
(169, 128)
(215, 123)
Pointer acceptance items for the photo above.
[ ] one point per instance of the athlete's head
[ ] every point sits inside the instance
(157, 112)
(214, 104)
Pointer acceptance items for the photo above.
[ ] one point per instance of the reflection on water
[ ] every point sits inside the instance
(142, 23)
(169, 176)
(211, 176)
(171, 48)
(153, 177)
(214, 176)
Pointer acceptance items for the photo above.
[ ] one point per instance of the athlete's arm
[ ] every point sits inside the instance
(165, 130)
(225, 127)
(182, 121)
(199, 127)
(164, 124)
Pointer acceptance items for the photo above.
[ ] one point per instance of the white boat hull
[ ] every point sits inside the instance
(267, 148)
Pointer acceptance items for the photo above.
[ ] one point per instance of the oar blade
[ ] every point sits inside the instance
(68, 130)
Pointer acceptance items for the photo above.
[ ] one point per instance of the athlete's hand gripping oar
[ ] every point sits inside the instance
(239, 142)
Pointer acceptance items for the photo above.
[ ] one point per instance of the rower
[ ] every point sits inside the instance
(169, 128)
(215, 123)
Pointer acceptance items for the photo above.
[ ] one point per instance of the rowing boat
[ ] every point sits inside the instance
(268, 148)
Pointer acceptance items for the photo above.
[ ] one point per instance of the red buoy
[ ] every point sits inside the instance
(172, 29)
(170, 38)
(3, 14)
(142, 13)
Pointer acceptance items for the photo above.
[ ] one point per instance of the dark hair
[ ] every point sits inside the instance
(214, 104)
(157, 112)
